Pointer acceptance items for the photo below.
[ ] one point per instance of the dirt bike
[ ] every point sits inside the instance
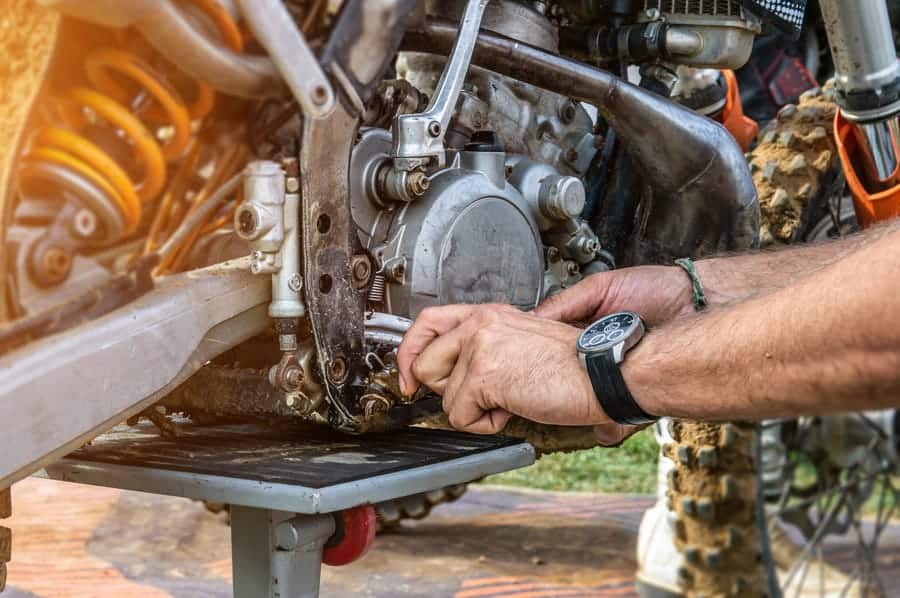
(243, 204)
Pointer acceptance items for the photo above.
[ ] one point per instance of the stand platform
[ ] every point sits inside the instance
(283, 485)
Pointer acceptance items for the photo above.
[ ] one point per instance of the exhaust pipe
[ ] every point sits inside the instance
(703, 199)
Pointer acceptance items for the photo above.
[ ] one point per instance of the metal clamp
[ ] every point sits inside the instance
(276, 32)
(419, 138)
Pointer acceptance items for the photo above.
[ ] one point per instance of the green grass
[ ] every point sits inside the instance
(630, 468)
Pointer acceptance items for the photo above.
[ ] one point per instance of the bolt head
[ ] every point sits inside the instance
(319, 95)
(397, 271)
(418, 183)
(589, 247)
(434, 128)
(292, 184)
(295, 282)
(567, 111)
(361, 270)
(293, 377)
(337, 370)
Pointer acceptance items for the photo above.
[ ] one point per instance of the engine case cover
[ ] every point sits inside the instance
(468, 240)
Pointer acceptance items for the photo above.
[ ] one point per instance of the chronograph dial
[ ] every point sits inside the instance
(610, 332)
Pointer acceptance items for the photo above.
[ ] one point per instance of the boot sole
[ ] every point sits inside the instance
(648, 590)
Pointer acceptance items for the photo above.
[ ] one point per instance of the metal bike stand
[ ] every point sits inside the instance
(284, 485)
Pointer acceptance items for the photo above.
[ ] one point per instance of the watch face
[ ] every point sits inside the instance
(608, 332)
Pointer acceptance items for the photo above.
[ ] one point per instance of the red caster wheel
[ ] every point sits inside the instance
(354, 534)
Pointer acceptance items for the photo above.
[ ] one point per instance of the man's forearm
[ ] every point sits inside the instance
(731, 279)
(819, 344)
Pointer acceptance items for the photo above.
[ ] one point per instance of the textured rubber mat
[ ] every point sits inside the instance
(312, 458)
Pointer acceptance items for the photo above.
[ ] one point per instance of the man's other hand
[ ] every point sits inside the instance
(490, 362)
(657, 293)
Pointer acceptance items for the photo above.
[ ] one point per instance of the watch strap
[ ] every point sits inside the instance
(612, 392)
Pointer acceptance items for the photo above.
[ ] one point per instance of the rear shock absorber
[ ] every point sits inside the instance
(64, 160)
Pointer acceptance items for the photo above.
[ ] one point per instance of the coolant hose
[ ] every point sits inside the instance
(703, 200)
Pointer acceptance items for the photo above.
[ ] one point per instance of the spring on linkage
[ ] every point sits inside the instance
(377, 290)
(64, 157)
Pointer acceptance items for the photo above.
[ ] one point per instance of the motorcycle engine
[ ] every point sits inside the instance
(502, 221)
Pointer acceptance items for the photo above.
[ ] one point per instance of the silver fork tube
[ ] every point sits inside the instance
(868, 79)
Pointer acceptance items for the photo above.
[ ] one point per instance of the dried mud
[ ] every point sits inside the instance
(794, 154)
(713, 491)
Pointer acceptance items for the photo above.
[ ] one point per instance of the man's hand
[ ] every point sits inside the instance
(657, 293)
(492, 361)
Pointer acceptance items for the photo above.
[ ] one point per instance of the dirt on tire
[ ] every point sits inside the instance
(712, 491)
(793, 156)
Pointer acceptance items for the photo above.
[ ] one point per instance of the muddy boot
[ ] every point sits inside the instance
(658, 559)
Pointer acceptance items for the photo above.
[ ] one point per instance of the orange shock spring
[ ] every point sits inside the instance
(107, 68)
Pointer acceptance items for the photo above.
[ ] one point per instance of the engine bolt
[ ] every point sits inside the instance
(293, 377)
(292, 184)
(434, 128)
(319, 95)
(337, 370)
(396, 271)
(361, 268)
(567, 111)
(417, 183)
(295, 282)
(588, 247)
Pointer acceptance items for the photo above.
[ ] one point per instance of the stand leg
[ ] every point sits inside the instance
(277, 555)
(5, 534)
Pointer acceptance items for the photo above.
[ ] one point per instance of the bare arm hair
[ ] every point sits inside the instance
(802, 331)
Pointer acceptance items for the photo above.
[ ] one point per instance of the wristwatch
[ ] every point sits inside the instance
(601, 348)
